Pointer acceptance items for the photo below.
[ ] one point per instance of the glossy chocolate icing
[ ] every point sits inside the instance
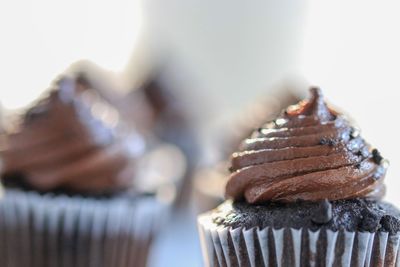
(72, 138)
(310, 153)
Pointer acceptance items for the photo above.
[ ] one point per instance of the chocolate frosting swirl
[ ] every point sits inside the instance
(72, 139)
(310, 153)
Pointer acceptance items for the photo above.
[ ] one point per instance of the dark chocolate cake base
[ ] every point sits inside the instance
(351, 215)
(343, 233)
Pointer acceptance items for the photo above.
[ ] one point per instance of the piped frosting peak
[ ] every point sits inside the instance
(311, 152)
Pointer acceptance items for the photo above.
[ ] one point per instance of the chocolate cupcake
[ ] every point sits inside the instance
(305, 190)
(69, 166)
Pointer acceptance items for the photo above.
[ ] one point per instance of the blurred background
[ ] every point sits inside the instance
(223, 55)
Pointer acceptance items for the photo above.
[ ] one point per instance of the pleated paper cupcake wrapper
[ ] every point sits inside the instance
(291, 247)
(49, 230)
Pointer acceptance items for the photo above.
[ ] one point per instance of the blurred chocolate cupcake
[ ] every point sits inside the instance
(305, 190)
(70, 166)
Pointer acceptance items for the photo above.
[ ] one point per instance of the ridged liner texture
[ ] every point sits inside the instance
(290, 247)
(57, 230)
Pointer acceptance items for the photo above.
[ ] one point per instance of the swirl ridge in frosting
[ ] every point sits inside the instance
(311, 152)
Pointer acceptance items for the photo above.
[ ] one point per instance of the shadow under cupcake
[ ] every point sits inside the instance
(69, 167)
(304, 190)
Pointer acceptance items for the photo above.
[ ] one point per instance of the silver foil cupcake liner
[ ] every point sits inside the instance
(289, 247)
(57, 230)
